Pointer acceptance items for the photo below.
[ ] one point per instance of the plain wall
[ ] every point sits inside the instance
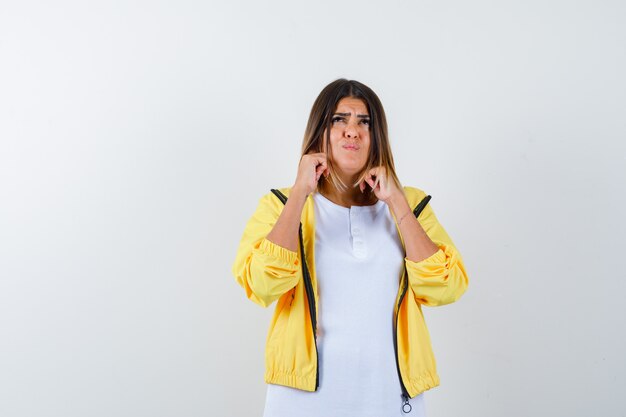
(137, 138)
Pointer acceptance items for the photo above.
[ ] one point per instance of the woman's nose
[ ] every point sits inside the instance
(351, 131)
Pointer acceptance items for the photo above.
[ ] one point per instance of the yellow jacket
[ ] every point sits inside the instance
(268, 272)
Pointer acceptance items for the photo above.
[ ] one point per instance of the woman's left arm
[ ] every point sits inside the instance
(434, 266)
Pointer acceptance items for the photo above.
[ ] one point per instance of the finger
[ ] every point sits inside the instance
(319, 171)
(373, 181)
(319, 165)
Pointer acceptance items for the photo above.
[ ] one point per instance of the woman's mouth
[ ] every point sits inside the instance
(351, 147)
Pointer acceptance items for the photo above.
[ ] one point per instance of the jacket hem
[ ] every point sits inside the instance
(418, 385)
(292, 380)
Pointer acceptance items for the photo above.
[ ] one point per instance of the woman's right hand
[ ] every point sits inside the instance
(311, 167)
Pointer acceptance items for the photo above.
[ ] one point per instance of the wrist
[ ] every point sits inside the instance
(398, 204)
(399, 221)
(298, 193)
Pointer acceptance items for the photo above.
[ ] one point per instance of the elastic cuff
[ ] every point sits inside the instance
(272, 249)
(438, 257)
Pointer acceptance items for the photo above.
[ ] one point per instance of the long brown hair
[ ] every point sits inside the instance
(320, 119)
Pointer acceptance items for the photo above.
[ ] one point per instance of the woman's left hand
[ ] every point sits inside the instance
(383, 187)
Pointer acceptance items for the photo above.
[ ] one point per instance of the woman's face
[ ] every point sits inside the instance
(350, 136)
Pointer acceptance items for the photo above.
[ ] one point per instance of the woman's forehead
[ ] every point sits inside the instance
(351, 104)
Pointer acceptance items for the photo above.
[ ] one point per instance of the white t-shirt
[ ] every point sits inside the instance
(358, 262)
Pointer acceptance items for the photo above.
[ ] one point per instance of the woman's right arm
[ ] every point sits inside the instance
(268, 268)
(285, 231)
(268, 264)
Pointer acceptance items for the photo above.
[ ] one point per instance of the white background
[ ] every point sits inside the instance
(137, 138)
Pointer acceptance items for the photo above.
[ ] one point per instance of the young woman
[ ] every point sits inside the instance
(350, 256)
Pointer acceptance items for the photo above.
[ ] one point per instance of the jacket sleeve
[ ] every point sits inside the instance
(264, 269)
(441, 278)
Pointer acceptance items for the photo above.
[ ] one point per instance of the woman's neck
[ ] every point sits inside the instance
(348, 198)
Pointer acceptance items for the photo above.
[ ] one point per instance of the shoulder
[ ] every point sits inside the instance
(414, 195)
(271, 201)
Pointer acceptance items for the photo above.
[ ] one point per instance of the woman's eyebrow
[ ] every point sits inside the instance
(362, 116)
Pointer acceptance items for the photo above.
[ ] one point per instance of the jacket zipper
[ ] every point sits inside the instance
(312, 310)
(308, 287)
(405, 394)
(406, 405)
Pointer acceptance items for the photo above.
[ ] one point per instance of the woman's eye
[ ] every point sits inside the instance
(336, 119)
(365, 121)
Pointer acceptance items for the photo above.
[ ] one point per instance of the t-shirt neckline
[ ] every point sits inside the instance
(330, 203)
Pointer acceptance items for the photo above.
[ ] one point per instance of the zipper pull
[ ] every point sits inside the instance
(406, 406)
